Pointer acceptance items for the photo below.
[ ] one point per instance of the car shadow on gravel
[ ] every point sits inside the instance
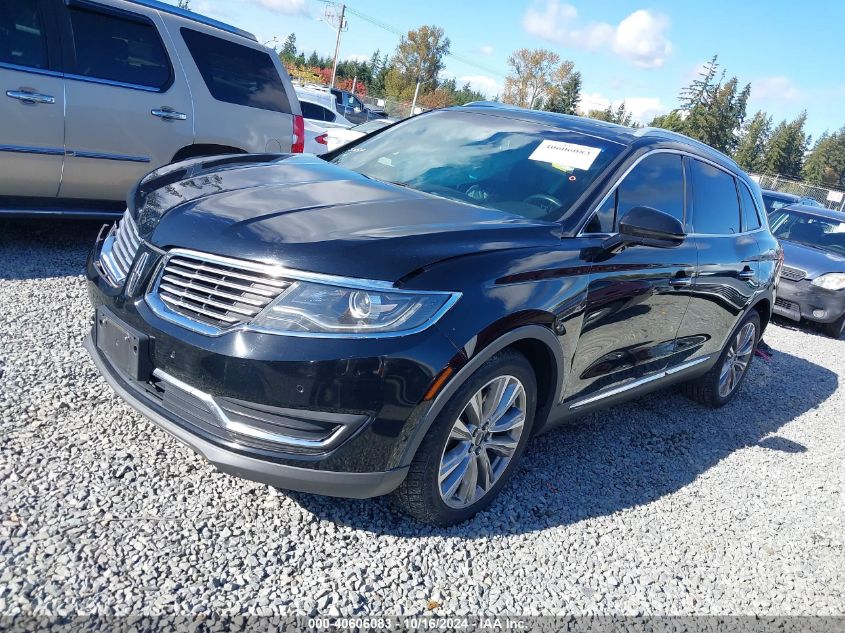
(45, 247)
(623, 457)
(808, 327)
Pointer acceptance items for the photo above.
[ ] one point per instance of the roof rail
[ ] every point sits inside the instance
(196, 17)
(669, 134)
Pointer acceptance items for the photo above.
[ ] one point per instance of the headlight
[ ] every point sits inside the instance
(830, 281)
(323, 309)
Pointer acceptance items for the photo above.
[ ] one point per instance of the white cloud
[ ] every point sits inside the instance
(638, 38)
(357, 58)
(287, 7)
(774, 89)
(482, 83)
(486, 50)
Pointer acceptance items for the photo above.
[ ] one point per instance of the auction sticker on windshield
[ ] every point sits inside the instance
(565, 154)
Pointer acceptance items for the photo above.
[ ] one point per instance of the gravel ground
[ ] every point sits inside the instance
(658, 507)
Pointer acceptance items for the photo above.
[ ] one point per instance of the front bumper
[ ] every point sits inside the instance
(375, 386)
(336, 484)
(802, 300)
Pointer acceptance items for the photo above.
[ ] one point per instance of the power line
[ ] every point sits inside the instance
(391, 29)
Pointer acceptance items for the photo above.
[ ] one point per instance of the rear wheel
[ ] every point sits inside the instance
(719, 385)
(474, 444)
(836, 328)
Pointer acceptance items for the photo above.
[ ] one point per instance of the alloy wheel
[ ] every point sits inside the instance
(482, 441)
(737, 359)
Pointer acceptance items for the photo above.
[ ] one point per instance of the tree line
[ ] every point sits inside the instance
(711, 109)
(419, 55)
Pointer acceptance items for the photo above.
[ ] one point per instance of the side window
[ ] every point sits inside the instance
(750, 214)
(237, 74)
(311, 110)
(715, 205)
(328, 115)
(657, 182)
(23, 41)
(121, 49)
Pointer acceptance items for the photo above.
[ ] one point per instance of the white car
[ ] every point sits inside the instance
(316, 141)
(338, 137)
(321, 108)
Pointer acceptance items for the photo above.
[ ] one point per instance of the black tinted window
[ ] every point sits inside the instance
(22, 38)
(715, 206)
(312, 111)
(657, 182)
(604, 218)
(750, 217)
(118, 49)
(237, 74)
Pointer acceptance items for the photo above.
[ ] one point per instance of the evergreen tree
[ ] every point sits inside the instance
(826, 162)
(701, 90)
(752, 145)
(565, 97)
(288, 52)
(313, 60)
(786, 148)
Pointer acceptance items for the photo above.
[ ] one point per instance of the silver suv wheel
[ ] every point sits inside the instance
(482, 441)
(737, 359)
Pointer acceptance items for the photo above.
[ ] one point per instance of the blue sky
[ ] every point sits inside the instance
(639, 51)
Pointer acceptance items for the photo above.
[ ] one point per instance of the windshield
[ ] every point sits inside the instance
(811, 230)
(524, 168)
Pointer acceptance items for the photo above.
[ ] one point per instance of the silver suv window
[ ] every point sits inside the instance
(22, 38)
(119, 47)
(237, 74)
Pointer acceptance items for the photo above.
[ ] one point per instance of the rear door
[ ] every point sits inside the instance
(729, 258)
(636, 298)
(31, 100)
(128, 105)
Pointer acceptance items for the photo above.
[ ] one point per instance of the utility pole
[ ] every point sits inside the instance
(337, 42)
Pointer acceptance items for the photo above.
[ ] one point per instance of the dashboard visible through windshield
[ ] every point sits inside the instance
(520, 167)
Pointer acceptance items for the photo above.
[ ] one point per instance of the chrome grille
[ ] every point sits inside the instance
(217, 291)
(792, 274)
(119, 249)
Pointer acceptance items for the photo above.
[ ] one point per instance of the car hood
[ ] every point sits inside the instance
(814, 261)
(304, 213)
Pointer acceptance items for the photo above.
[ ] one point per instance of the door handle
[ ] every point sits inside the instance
(169, 115)
(746, 273)
(30, 97)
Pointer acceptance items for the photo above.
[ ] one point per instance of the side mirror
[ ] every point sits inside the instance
(645, 226)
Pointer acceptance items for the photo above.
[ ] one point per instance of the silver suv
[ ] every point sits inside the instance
(96, 93)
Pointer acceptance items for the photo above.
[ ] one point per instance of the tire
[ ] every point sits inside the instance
(835, 329)
(706, 389)
(421, 494)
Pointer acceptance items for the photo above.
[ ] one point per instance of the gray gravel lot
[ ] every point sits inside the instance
(657, 507)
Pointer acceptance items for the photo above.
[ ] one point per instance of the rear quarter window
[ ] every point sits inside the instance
(715, 208)
(237, 74)
(750, 213)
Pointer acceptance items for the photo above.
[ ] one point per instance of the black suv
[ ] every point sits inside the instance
(403, 315)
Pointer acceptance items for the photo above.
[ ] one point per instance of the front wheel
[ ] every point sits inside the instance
(719, 385)
(474, 444)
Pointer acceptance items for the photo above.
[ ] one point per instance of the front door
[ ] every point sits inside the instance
(636, 298)
(128, 105)
(31, 101)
